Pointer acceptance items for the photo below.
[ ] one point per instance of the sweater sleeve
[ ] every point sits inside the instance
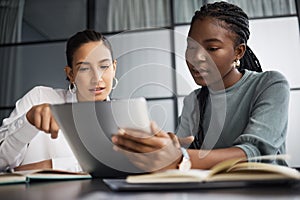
(265, 133)
(189, 117)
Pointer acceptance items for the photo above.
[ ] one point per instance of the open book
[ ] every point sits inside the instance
(41, 174)
(229, 170)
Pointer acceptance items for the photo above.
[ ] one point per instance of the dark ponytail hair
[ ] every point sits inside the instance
(83, 37)
(236, 21)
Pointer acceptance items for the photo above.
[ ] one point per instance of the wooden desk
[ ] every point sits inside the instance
(96, 189)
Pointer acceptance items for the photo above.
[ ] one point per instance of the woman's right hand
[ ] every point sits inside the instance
(158, 151)
(41, 117)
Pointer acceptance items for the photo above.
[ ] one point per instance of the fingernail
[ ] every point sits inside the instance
(114, 139)
(115, 148)
(121, 131)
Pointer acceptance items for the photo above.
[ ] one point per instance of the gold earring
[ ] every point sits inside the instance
(237, 63)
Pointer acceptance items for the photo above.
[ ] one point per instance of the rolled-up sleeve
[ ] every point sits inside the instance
(14, 140)
(16, 132)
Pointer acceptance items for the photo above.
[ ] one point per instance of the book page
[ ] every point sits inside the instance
(229, 164)
(170, 176)
(10, 178)
(237, 169)
(265, 168)
(240, 169)
(53, 174)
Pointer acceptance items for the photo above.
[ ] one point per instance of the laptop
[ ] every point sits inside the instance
(89, 126)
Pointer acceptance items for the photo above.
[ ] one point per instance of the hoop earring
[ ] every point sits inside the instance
(72, 88)
(116, 83)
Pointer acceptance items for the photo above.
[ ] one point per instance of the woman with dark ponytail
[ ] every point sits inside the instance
(239, 111)
(26, 143)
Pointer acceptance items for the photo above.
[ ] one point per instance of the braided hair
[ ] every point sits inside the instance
(236, 21)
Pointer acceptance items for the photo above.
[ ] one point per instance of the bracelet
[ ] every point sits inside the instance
(185, 153)
(185, 163)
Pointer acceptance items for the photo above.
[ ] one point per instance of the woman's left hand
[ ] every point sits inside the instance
(150, 152)
(45, 164)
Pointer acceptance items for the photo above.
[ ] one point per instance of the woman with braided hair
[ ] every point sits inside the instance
(239, 111)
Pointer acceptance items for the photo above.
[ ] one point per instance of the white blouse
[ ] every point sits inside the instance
(21, 143)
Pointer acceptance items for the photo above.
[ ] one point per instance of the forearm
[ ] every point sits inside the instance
(46, 164)
(64, 163)
(205, 159)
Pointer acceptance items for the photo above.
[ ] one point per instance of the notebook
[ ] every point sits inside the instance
(237, 172)
(40, 175)
(88, 127)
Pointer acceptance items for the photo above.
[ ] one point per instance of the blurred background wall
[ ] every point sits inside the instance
(149, 41)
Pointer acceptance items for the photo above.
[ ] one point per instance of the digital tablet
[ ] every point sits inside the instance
(89, 126)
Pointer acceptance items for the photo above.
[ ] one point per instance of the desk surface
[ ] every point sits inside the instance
(96, 189)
